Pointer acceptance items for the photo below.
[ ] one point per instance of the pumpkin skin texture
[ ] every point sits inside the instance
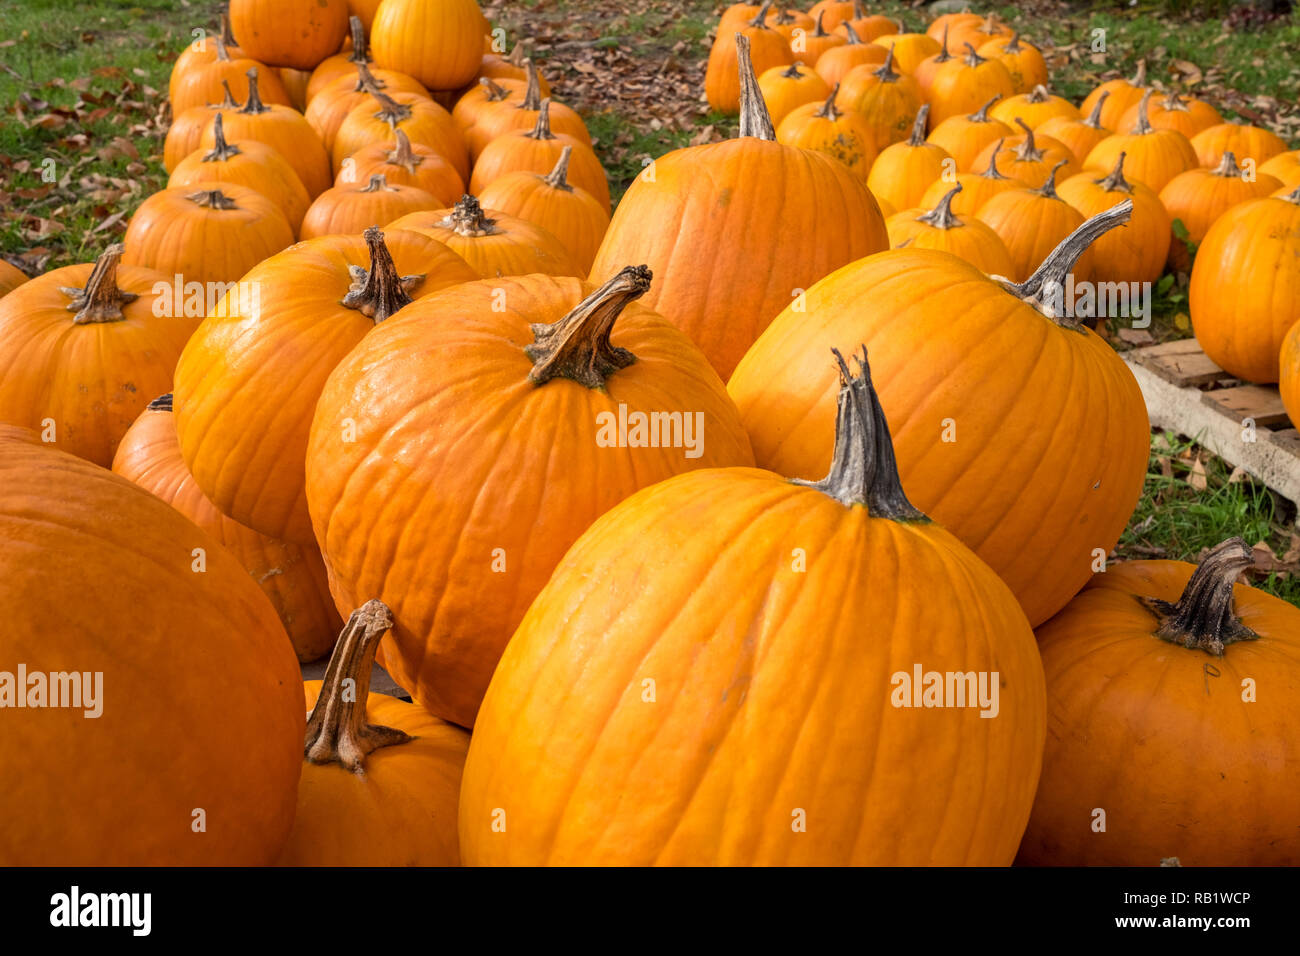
(1135, 253)
(294, 33)
(10, 278)
(1245, 290)
(212, 720)
(786, 87)
(765, 46)
(291, 575)
(90, 372)
(887, 99)
(381, 779)
(493, 442)
(246, 387)
(1031, 223)
(706, 199)
(1246, 142)
(646, 590)
(349, 210)
(1284, 167)
(966, 137)
(436, 41)
(403, 163)
(1155, 156)
(842, 134)
(1207, 777)
(940, 229)
(1288, 382)
(1188, 116)
(1120, 94)
(1036, 480)
(904, 171)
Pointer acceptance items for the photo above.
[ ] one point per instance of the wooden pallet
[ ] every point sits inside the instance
(1187, 393)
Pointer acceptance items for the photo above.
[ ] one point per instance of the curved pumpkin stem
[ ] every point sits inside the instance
(1028, 151)
(981, 115)
(378, 183)
(1013, 45)
(337, 730)
(1094, 118)
(941, 216)
(755, 120)
(229, 103)
(558, 178)
(468, 219)
(943, 56)
(992, 171)
(1043, 287)
(360, 48)
(367, 82)
(1227, 167)
(864, 470)
(1174, 102)
(1204, 617)
(402, 155)
(495, 91)
(828, 109)
(221, 150)
(1140, 75)
(918, 126)
(1038, 94)
(886, 71)
(378, 292)
(577, 347)
(533, 91)
(972, 57)
(1115, 181)
(760, 19)
(1143, 126)
(101, 300)
(254, 106)
(223, 55)
(542, 128)
(855, 40)
(1048, 189)
(227, 35)
(212, 199)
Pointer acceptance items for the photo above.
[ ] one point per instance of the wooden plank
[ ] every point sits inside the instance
(1260, 403)
(1180, 363)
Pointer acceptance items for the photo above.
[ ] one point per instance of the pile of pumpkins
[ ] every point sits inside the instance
(715, 533)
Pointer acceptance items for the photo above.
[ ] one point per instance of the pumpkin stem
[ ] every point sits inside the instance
(1094, 118)
(227, 35)
(792, 72)
(828, 109)
(1143, 126)
(577, 347)
(390, 111)
(981, 115)
(863, 468)
(1013, 46)
(755, 120)
(854, 39)
(1043, 288)
(468, 219)
(495, 92)
(760, 19)
(1048, 189)
(558, 178)
(1115, 182)
(378, 293)
(360, 49)
(163, 403)
(101, 300)
(1027, 151)
(941, 216)
(1228, 167)
(403, 155)
(378, 183)
(972, 58)
(516, 56)
(886, 71)
(337, 731)
(221, 150)
(542, 128)
(533, 91)
(918, 126)
(229, 103)
(1204, 617)
(1293, 197)
(992, 171)
(212, 199)
(254, 106)
(1140, 77)
(1038, 94)
(367, 82)
(943, 56)
(223, 55)
(783, 16)
(1174, 101)
(819, 30)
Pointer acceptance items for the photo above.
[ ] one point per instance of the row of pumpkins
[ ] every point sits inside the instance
(538, 505)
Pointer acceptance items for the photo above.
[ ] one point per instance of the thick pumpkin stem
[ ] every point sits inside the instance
(819, 30)
(792, 71)
(360, 49)
(378, 183)
(1038, 94)
(1143, 126)
(212, 199)
(755, 120)
(1228, 167)
(516, 56)
(918, 126)
(221, 150)
(864, 470)
(941, 216)
(101, 300)
(1013, 46)
(223, 55)
(337, 730)
(390, 111)
(227, 35)
(468, 219)
(1048, 189)
(402, 155)
(254, 106)
(943, 56)
(760, 19)
(828, 109)
(1094, 118)
(367, 82)
(577, 347)
(886, 71)
(533, 91)
(1027, 151)
(855, 40)
(972, 57)
(1043, 289)
(981, 115)
(1204, 617)
(542, 128)
(378, 292)
(1174, 101)
(1115, 181)
(558, 178)
(163, 403)
(495, 91)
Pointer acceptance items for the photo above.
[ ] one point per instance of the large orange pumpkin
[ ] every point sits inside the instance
(1023, 60)
(1014, 424)
(701, 217)
(720, 672)
(453, 409)
(1285, 167)
(294, 33)
(1161, 660)
(165, 727)
(439, 42)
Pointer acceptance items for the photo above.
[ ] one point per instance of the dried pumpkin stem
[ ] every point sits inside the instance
(390, 111)
(402, 155)
(360, 49)
(992, 171)
(1039, 94)
(941, 216)
(792, 71)
(163, 403)
(864, 470)
(1293, 196)
(367, 82)
(542, 128)
(212, 199)
(1228, 167)
(337, 729)
(981, 115)
(558, 178)
(223, 55)
(1094, 118)
(577, 347)
(1204, 617)
(101, 300)
(221, 150)
(1143, 127)
(495, 91)
(1048, 189)
(854, 39)
(1140, 76)
(1027, 151)
(828, 109)
(972, 57)
(378, 292)
(227, 35)
(1174, 101)
(468, 219)
(886, 72)
(755, 120)
(1013, 45)
(254, 106)
(229, 103)
(378, 183)
(918, 126)
(819, 31)
(760, 19)
(1115, 181)
(533, 90)
(943, 56)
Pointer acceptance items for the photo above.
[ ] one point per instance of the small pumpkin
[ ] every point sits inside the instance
(832, 12)
(928, 68)
(1023, 60)
(419, 117)
(403, 163)
(835, 63)
(205, 84)
(1135, 253)
(939, 228)
(783, 21)
(1079, 136)
(186, 132)
(1033, 222)
(1035, 107)
(1189, 116)
(350, 210)
(786, 87)
(1158, 652)
(988, 29)
(436, 41)
(513, 67)
(10, 278)
(976, 188)
(200, 53)
(903, 171)
(1245, 142)
(870, 26)
(488, 92)
(331, 106)
(294, 33)
(509, 114)
(910, 49)
(1285, 167)
(966, 137)
(887, 99)
(961, 85)
(810, 45)
(767, 49)
(1029, 156)
(824, 127)
(1155, 156)
(1121, 94)
(1198, 197)
(344, 63)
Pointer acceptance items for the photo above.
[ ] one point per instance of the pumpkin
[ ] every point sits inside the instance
(1035, 107)
(200, 53)
(987, 30)
(928, 68)
(537, 150)
(784, 22)
(1120, 95)
(832, 12)
(1135, 253)
(205, 232)
(10, 278)
(961, 85)
(493, 243)
(1288, 382)
(364, 10)
(331, 106)
(420, 118)
(903, 171)
(870, 27)
(532, 405)
(186, 132)
(843, 134)
(295, 84)
(568, 212)
(436, 41)
(280, 127)
(724, 276)
(1035, 473)
(341, 64)
(291, 575)
(888, 100)
(1023, 61)
(295, 33)
(1285, 167)
(188, 753)
(965, 137)
(976, 188)
(205, 84)
(250, 164)
(910, 49)
(508, 114)
(736, 15)
(785, 87)
(381, 777)
(809, 46)
(1245, 142)
(111, 340)
(1164, 653)
(835, 63)
(1155, 156)
(939, 228)
(1033, 222)
(944, 22)
(769, 49)
(1079, 136)
(1245, 290)
(404, 163)
(688, 592)
(1198, 197)
(480, 98)
(248, 381)
(350, 210)
(1029, 156)
(514, 67)
(1188, 116)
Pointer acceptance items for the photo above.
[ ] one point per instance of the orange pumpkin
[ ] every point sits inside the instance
(294, 33)
(966, 137)
(910, 49)
(1188, 116)
(941, 25)
(888, 100)
(1245, 142)
(1198, 197)
(1033, 222)
(843, 134)
(346, 63)
(835, 63)
(961, 85)
(186, 132)
(419, 117)
(499, 116)
(1121, 94)
(832, 12)
(1288, 381)
(1023, 61)
(928, 68)
(350, 210)
(784, 22)
(987, 30)
(295, 84)
(1029, 156)
(809, 45)
(512, 67)
(331, 106)
(205, 84)
(1135, 253)
(1155, 156)
(902, 172)
(1285, 167)
(871, 26)
(436, 41)
(976, 188)
(404, 164)
(10, 278)
(767, 49)
(202, 52)
(786, 87)
(939, 228)
(1035, 107)
(474, 102)
(1079, 135)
